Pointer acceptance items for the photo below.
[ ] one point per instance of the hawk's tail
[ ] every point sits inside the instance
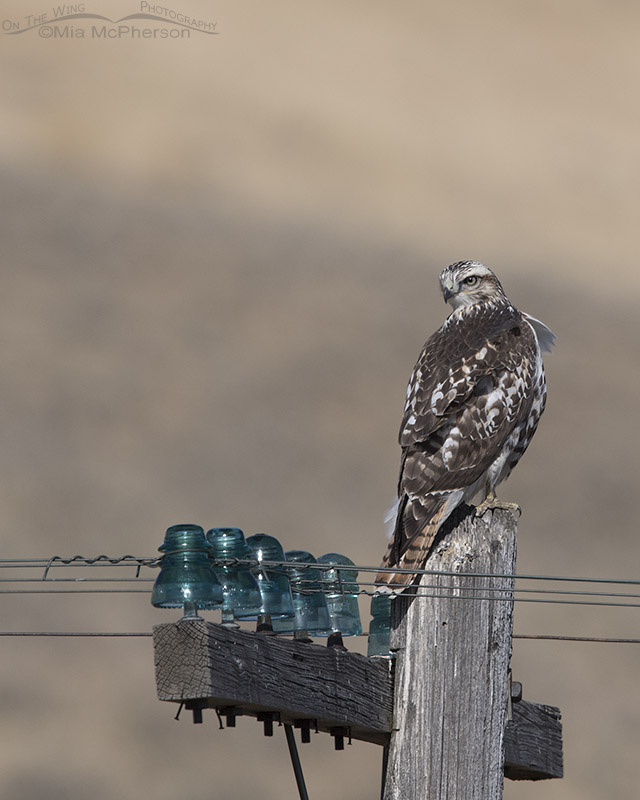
(414, 553)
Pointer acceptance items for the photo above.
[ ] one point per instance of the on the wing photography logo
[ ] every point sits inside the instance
(73, 21)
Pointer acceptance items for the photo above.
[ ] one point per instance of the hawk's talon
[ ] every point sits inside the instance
(492, 503)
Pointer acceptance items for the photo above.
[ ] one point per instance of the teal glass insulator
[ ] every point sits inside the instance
(186, 578)
(309, 603)
(242, 598)
(341, 592)
(379, 627)
(273, 581)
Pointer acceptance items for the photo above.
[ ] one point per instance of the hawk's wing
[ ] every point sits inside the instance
(469, 395)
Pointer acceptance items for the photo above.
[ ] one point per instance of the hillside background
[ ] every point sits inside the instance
(219, 263)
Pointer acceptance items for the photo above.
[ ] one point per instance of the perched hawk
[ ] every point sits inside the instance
(474, 400)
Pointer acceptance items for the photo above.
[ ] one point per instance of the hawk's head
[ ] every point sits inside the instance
(466, 283)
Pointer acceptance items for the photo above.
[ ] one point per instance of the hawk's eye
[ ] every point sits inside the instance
(471, 280)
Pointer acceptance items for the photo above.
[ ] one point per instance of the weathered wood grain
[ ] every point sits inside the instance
(198, 660)
(451, 682)
(533, 743)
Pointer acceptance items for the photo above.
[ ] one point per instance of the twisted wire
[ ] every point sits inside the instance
(475, 585)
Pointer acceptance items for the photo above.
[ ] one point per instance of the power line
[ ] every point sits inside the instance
(512, 591)
(144, 634)
(508, 595)
(472, 586)
(93, 634)
(139, 562)
(452, 596)
(417, 572)
(77, 580)
(600, 639)
(516, 589)
(325, 586)
(74, 591)
(418, 595)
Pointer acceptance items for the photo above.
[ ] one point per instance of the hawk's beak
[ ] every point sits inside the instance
(447, 290)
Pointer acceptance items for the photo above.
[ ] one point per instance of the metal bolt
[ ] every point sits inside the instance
(268, 718)
(338, 736)
(334, 641)
(305, 730)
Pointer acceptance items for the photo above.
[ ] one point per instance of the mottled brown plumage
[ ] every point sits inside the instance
(474, 400)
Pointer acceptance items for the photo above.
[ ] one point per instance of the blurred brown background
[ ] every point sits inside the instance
(220, 260)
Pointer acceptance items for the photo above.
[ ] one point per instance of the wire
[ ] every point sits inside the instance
(419, 595)
(77, 580)
(138, 562)
(482, 592)
(416, 572)
(525, 591)
(126, 634)
(469, 586)
(512, 592)
(601, 639)
(427, 595)
(133, 634)
(74, 591)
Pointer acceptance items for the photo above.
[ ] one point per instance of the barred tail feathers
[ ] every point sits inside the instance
(413, 554)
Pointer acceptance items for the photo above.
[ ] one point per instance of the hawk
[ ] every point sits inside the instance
(474, 400)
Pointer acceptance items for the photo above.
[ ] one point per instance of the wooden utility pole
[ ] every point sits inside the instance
(441, 706)
(453, 647)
